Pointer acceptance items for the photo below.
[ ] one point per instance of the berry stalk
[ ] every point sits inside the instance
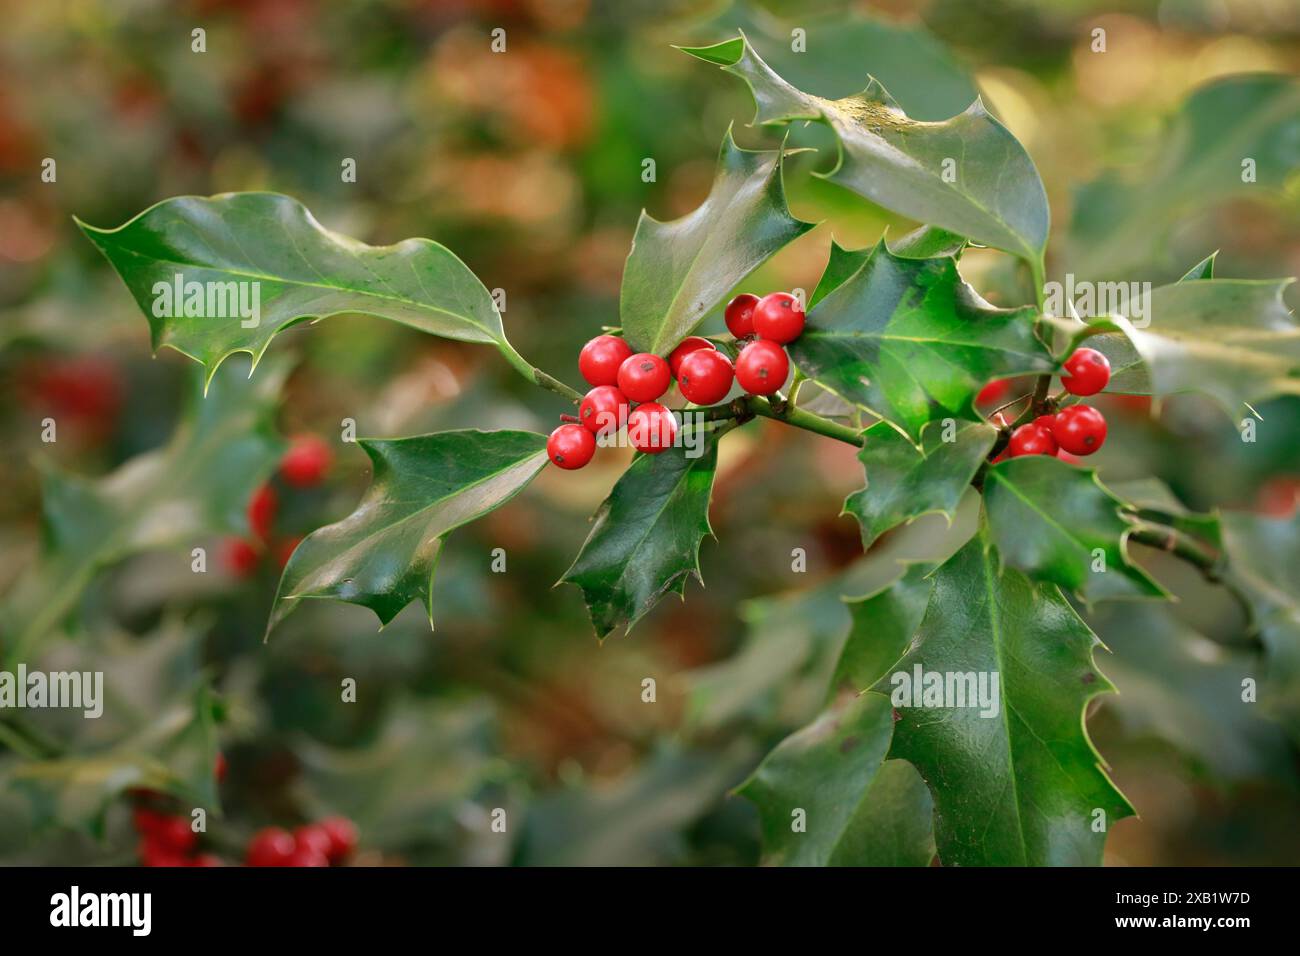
(753, 406)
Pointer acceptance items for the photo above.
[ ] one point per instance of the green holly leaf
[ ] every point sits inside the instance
(1118, 224)
(383, 555)
(1202, 270)
(645, 540)
(1018, 782)
(882, 625)
(924, 243)
(680, 270)
(270, 250)
(824, 797)
(1156, 500)
(921, 71)
(906, 480)
(911, 342)
(967, 175)
(1177, 686)
(196, 485)
(1264, 564)
(1231, 339)
(1058, 523)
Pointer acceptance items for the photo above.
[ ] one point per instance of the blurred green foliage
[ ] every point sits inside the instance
(528, 164)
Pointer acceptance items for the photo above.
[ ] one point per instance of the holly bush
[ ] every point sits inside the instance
(929, 697)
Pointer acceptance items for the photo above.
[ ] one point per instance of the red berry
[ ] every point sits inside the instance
(688, 345)
(306, 461)
(778, 318)
(313, 837)
(239, 557)
(1089, 372)
(1031, 439)
(343, 837)
(271, 846)
(83, 387)
(1278, 497)
(705, 377)
(206, 859)
(651, 428)
(1079, 429)
(175, 834)
(154, 852)
(740, 315)
(762, 367)
(219, 767)
(261, 511)
(993, 392)
(308, 856)
(1045, 422)
(600, 359)
(644, 377)
(571, 446)
(603, 410)
(147, 821)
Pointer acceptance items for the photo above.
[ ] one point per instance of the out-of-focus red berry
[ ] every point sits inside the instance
(343, 836)
(307, 461)
(261, 511)
(239, 557)
(271, 846)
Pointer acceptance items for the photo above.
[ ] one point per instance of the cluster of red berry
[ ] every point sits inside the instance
(704, 375)
(322, 843)
(166, 838)
(1075, 429)
(304, 465)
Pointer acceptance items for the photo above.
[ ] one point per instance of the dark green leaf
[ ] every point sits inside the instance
(272, 244)
(383, 555)
(1231, 339)
(1023, 786)
(1057, 523)
(817, 799)
(905, 480)
(645, 540)
(882, 626)
(910, 341)
(967, 174)
(921, 71)
(924, 243)
(1155, 498)
(678, 271)
(1202, 270)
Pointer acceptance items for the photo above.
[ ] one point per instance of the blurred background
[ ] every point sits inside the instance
(529, 165)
